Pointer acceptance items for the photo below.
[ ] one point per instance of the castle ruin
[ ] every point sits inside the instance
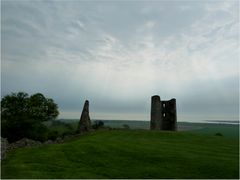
(163, 114)
(85, 122)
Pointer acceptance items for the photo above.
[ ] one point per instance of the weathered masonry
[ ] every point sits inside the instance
(163, 114)
(85, 122)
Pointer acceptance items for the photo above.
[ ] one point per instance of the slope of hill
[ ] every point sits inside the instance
(128, 154)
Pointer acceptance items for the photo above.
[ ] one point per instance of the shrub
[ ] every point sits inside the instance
(125, 126)
(98, 124)
(38, 132)
(218, 134)
(24, 128)
(53, 135)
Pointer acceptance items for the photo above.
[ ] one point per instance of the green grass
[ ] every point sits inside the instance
(227, 130)
(128, 154)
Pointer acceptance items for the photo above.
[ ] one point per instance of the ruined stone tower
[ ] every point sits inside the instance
(85, 122)
(163, 114)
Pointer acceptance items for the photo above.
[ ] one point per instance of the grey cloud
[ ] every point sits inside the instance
(118, 54)
(212, 97)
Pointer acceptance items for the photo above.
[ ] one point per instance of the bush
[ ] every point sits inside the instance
(53, 135)
(57, 123)
(218, 134)
(61, 127)
(125, 126)
(98, 124)
(38, 132)
(24, 128)
(68, 133)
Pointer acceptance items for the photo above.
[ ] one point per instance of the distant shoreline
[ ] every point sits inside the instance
(231, 122)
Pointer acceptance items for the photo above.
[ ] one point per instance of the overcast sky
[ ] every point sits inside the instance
(118, 54)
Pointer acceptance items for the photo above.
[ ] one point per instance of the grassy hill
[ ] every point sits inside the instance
(128, 154)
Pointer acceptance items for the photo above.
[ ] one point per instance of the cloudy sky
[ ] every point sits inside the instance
(118, 54)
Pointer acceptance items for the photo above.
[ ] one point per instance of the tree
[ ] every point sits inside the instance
(41, 108)
(22, 116)
(14, 105)
(36, 107)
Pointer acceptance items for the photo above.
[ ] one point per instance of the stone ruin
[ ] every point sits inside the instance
(4, 146)
(85, 122)
(163, 114)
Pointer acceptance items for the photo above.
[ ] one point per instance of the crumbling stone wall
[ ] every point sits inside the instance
(163, 114)
(25, 142)
(4, 146)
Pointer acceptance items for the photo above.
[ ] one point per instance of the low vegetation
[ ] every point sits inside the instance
(128, 154)
(98, 124)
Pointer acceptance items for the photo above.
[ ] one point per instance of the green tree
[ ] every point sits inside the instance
(22, 116)
(14, 105)
(41, 108)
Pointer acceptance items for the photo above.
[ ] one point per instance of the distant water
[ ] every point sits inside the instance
(133, 124)
(223, 122)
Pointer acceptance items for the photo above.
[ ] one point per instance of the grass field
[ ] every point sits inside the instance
(227, 130)
(128, 154)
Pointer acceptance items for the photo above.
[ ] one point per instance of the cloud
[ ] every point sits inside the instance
(225, 6)
(150, 24)
(118, 55)
(184, 7)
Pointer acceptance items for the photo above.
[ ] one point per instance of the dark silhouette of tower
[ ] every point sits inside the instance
(163, 114)
(85, 122)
